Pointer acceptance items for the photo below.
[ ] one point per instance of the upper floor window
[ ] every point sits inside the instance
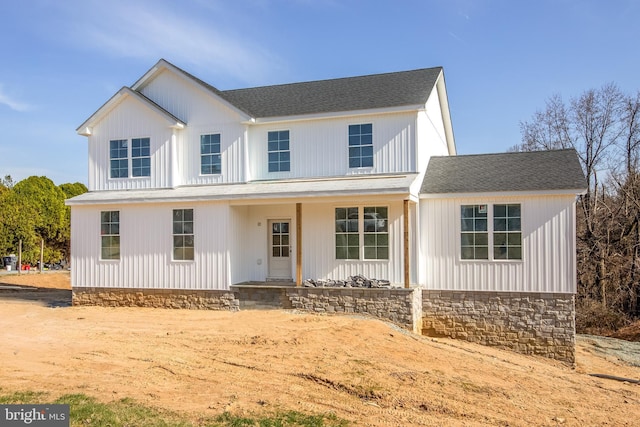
(119, 158)
(140, 156)
(477, 237)
(110, 235)
(210, 162)
(361, 145)
(279, 155)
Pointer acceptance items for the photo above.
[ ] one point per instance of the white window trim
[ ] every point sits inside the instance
(110, 260)
(199, 151)
(129, 159)
(358, 169)
(182, 261)
(361, 232)
(490, 231)
(281, 173)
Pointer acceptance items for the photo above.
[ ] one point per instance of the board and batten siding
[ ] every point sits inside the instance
(130, 119)
(204, 113)
(321, 147)
(318, 235)
(146, 246)
(548, 247)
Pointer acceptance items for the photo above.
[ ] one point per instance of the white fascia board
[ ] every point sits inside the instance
(164, 65)
(331, 115)
(247, 199)
(567, 192)
(85, 129)
(446, 114)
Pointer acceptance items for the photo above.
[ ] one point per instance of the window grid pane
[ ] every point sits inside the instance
(118, 156)
(376, 234)
(507, 236)
(210, 159)
(474, 238)
(110, 235)
(361, 145)
(140, 157)
(183, 237)
(347, 235)
(278, 151)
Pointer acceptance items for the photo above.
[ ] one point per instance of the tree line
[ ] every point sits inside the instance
(32, 211)
(603, 125)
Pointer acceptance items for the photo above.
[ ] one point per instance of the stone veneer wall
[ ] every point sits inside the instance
(157, 298)
(529, 323)
(401, 306)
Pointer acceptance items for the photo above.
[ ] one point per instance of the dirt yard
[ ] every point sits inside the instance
(363, 370)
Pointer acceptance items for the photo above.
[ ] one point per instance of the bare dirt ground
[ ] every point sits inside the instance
(363, 370)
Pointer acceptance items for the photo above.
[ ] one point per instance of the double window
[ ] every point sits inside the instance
(109, 235)
(361, 145)
(503, 234)
(139, 151)
(183, 242)
(362, 232)
(210, 162)
(278, 151)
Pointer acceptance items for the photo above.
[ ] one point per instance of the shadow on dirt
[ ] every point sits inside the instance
(48, 297)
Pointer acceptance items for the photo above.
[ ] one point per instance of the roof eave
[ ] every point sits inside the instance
(332, 114)
(520, 193)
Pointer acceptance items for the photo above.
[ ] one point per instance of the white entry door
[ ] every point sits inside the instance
(280, 249)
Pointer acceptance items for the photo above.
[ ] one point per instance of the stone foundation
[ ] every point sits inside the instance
(156, 298)
(400, 306)
(529, 323)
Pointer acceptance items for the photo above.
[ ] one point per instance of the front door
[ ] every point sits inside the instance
(279, 249)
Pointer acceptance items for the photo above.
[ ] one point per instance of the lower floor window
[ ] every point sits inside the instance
(109, 235)
(479, 232)
(362, 232)
(183, 236)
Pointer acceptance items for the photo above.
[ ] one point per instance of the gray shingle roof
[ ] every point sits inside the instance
(345, 94)
(397, 89)
(523, 171)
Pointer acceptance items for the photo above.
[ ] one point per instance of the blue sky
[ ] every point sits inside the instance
(62, 59)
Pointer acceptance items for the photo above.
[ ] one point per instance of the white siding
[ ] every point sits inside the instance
(548, 259)
(321, 147)
(146, 246)
(130, 119)
(204, 113)
(318, 234)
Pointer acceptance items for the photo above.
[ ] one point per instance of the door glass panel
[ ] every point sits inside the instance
(280, 240)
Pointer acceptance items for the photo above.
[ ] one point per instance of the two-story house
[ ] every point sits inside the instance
(192, 188)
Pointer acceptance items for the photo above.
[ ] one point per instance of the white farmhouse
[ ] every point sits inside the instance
(194, 190)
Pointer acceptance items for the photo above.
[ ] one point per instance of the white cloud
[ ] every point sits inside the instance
(12, 103)
(153, 30)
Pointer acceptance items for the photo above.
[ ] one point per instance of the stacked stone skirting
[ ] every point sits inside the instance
(529, 323)
(156, 298)
(400, 306)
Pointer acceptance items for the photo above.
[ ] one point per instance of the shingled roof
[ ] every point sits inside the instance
(522, 171)
(345, 94)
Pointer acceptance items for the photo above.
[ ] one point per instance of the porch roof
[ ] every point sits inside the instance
(258, 190)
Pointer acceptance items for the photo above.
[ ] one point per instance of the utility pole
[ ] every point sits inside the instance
(20, 256)
(41, 255)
